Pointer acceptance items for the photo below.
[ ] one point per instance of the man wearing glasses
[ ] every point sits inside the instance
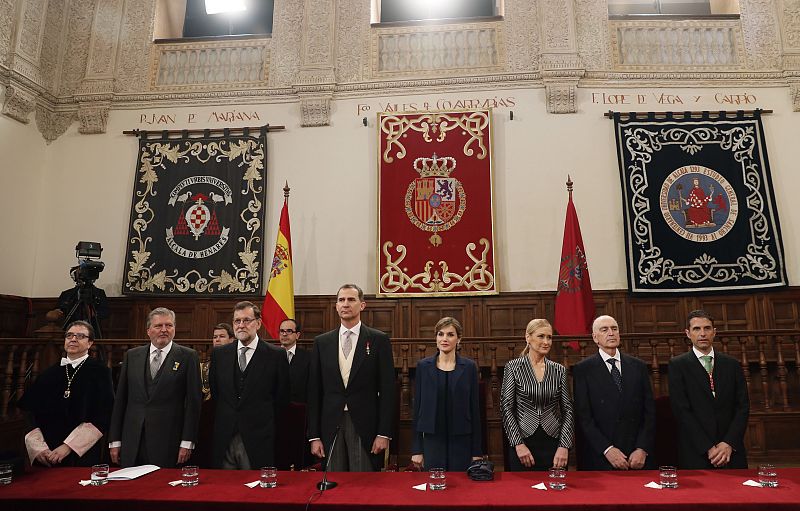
(249, 382)
(299, 360)
(157, 407)
(69, 405)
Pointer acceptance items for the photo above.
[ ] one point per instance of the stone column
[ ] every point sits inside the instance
(316, 79)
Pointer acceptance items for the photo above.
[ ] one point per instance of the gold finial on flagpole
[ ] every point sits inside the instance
(569, 185)
(286, 190)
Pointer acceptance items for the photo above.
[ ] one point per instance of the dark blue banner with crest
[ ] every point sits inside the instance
(197, 215)
(700, 212)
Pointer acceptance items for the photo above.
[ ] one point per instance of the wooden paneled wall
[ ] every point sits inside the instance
(501, 315)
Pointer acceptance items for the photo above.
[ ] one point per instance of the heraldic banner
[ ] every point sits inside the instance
(435, 234)
(700, 212)
(197, 216)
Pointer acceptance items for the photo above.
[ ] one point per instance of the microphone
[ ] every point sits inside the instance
(325, 484)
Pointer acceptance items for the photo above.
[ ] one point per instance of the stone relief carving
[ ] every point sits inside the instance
(93, 117)
(318, 33)
(557, 25)
(791, 24)
(19, 103)
(560, 98)
(286, 42)
(79, 28)
(135, 43)
(760, 29)
(52, 124)
(794, 92)
(315, 111)
(352, 41)
(30, 39)
(591, 20)
(522, 36)
(6, 25)
(52, 45)
(105, 30)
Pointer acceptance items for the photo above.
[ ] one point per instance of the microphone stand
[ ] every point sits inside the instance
(325, 484)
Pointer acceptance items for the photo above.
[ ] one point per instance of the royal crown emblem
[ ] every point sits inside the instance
(435, 202)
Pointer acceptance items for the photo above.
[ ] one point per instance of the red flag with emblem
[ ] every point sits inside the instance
(574, 306)
(279, 301)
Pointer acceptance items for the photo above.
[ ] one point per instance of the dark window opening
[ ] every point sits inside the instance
(415, 10)
(256, 19)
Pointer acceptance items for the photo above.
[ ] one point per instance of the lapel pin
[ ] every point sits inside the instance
(367, 348)
(176, 366)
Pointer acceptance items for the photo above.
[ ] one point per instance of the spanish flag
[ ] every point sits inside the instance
(279, 302)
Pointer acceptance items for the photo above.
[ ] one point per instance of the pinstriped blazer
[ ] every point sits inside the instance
(527, 403)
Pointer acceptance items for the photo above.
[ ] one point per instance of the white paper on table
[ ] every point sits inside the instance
(252, 485)
(540, 486)
(85, 482)
(126, 474)
(653, 484)
(750, 482)
(175, 483)
(423, 487)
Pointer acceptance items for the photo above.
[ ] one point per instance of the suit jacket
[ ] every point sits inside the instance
(369, 395)
(608, 417)
(704, 420)
(168, 415)
(265, 393)
(465, 414)
(298, 375)
(527, 404)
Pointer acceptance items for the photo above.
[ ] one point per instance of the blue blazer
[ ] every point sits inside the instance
(464, 402)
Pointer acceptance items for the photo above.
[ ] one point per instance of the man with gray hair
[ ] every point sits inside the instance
(157, 405)
(614, 407)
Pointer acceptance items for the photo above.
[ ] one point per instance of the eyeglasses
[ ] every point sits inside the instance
(288, 331)
(70, 335)
(243, 321)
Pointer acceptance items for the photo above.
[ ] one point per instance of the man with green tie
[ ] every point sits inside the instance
(709, 399)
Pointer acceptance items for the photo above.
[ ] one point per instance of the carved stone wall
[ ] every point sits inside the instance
(7, 14)
(591, 23)
(135, 44)
(285, 55)
(560, 64)
(522, 36)
(79, 30)
(761, 34)
(352, 40)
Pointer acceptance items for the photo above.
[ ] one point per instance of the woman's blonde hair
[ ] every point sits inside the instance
(534, 325)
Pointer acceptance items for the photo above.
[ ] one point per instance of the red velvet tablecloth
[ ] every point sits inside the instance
(58, 489)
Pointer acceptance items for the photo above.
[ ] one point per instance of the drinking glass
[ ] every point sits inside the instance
(269, 477)
(438, 479)
(99, 474)
(558, 479)
(190, 475)
(669, 476)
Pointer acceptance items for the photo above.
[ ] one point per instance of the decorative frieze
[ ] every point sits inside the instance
(19, 103)
(794, 92)
(677, 44)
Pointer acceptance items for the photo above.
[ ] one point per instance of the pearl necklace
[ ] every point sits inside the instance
(70, 378)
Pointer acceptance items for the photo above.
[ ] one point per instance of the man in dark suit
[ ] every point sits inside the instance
(708, 394)
(299, 360)
(351, 390)
(157, 406)
(249, 382)
(614, 405)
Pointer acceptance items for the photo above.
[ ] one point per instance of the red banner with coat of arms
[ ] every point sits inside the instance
(435, 231)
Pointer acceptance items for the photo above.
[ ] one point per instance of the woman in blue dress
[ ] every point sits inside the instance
(447, 420)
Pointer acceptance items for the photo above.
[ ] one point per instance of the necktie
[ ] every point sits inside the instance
(242, 358)
(707, 363)
(615, 374)
(347, 343)
(155, 364)
(289, 355)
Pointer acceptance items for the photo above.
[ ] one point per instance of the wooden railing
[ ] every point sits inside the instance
(770, 360)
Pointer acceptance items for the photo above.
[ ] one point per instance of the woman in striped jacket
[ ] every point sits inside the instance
(536, 404)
